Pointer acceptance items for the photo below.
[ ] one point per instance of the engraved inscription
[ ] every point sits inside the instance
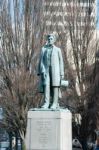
(44, 133)
(44, 128)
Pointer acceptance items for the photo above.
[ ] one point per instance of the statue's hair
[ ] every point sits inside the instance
(52, 34)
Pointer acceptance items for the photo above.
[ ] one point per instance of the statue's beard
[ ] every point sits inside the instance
(50, 44)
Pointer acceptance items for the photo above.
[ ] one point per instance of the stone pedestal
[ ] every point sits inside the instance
(49, 130)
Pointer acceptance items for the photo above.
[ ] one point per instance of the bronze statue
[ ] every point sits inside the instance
(51, 70)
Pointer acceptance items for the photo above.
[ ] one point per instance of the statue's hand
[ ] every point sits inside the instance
(62, 77)
(43, 76)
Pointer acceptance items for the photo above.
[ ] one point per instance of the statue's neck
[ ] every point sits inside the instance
(50, 45)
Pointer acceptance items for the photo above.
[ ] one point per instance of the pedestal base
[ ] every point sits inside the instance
(49, 130)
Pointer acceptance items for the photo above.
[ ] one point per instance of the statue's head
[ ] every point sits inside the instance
(51, 38)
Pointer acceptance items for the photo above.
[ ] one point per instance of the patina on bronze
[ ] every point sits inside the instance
(51, 71)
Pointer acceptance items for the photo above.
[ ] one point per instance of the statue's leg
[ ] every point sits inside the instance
(46, 95)
(51, 96)
(55, 98)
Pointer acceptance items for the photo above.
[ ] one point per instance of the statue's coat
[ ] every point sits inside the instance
(56, 65)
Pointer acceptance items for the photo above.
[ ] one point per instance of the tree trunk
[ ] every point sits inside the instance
(23, 145)
(10, 138)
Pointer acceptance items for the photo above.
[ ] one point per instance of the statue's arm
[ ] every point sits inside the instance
(38, 69)
(41, 65)
(61, 64)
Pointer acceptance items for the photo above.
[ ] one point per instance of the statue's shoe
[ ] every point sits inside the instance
(45, 106)
(54, 106)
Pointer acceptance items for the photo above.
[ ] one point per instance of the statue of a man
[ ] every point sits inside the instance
(51, 70)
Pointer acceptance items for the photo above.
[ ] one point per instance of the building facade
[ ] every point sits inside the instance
(60, 14)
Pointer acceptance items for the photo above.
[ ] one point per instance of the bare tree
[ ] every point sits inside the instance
(21, 29)
(78, 22)
(81, 27)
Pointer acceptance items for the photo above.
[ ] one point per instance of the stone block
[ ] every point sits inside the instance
(49, 130)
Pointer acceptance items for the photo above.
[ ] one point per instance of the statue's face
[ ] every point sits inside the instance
(51, 40)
